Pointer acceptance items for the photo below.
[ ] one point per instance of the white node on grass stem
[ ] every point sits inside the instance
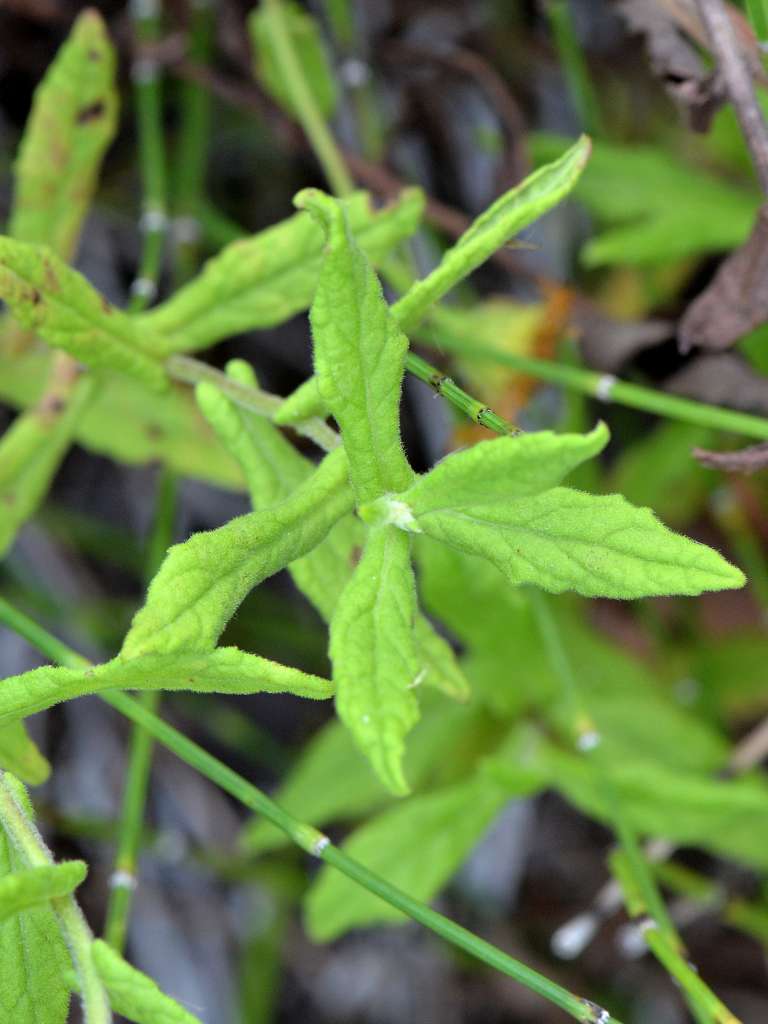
(604, 387)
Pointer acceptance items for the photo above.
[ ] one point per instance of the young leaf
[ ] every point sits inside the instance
(134, 995)
(57, 302)
(598, 546)
(33, 957)
(502, 469)
(33, 447)
(202, 582)
(19, 754)
(375, 662)
(510, 213)
(359, 356)
(417, 845)
(31, 886)
(168, 430)
(304, 403)
(224, 670)
(266, 279)
(307, 43)
(73, 120)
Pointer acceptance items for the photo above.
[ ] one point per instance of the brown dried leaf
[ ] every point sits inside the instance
(607, 344)
(723, 379)
(735, 301)
(746, 460)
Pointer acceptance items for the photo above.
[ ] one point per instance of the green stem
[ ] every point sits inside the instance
(191, 156)
(700, 998)
(448, 389)
(308, 837)
(575, 66)
(604, 386)
(74, 928)
(309, 114)
(147, 96)
(123, 879)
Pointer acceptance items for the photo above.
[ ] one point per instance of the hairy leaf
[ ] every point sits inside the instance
(33, 957)
(57, 302)
(31, 886)
(417, 845)
(163, 428)
(73, 120)
(304, 403)
(32, 449)
(509, 215)
(202, 582)
(375, 662)
(359, 356)
(268, 278)
(598, 546)
(133, 994)
(307, 43)
(19, 754)
(503, 469)
(224, 670)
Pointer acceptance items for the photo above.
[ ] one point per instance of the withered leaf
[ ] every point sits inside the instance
(607, 344)
(735, 301)
(722, 379)
(745, 460)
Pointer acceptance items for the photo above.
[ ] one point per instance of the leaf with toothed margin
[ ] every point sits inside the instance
(224, 670)
(563, 540)
(375, 661)
(359, 355)
(132, 993)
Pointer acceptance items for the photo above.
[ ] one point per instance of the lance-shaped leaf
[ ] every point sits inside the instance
(202, 582)
(359, 356)
(375, 662)
(19, 755)
(73, 120)
(134, 995)
(273, 469)
(57, 302)
(598, 546)
(307, 43)
(496, 471)
(33, 957)
(26, 888)
(268, 278)
(509, 215)
(33, 447)
(224, 670)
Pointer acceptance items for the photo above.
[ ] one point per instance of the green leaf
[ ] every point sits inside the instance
(73, 120)
(304, 403)
(34, 446)
(509, 215)
(202, 582)
(359, 356)
(416, 845)
(331, 781)
(33, 957)
(273, 469)
(126, 422)
(375, 662)
(266, 279)
(654, 207)
(57, 302)
(224, 670)
(503, 469)
(31, 886)
(19, 754)
(598, 546)
(133, 994)
(307, 43)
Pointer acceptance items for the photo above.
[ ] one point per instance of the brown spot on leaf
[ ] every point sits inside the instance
(355, 555)
(51, 278)
(154, 432)
(105, 306)
(35, 297)
(94, 55)
(90, 113)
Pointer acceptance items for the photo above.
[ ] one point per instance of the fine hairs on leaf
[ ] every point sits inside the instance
(134, 995)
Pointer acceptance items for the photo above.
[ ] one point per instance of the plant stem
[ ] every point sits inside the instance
(448, 389)
(147, 95)
(306, 836)
(124, 875)
(308, 112)
(74, 928)
(758, 15)
(191, 156)
(574, 64)
(603, 386)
